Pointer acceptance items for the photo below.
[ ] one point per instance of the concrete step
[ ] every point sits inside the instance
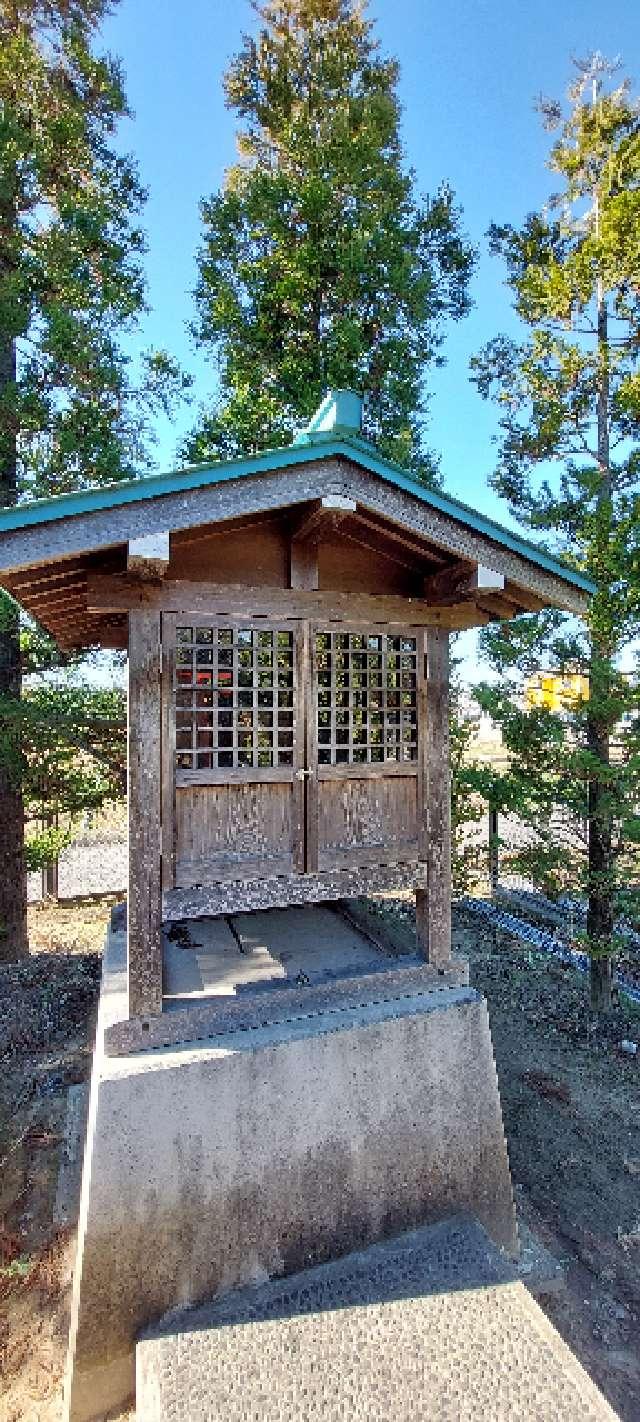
(433, 1324)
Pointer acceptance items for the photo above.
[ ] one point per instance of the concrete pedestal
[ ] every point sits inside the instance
(274, 1146)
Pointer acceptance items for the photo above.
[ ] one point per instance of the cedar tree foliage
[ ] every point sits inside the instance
(319, 267)
(569, 400)
(72, 414)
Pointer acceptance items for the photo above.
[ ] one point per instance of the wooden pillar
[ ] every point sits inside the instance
(49, 880)
(433, 902)
(144, 777)
(49, 872)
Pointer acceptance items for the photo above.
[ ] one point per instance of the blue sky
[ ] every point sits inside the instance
(470, 72)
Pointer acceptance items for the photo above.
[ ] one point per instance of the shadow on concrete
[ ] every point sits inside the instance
(453, 1254)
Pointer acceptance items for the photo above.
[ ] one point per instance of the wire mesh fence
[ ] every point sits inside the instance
(95, 862)
(487, 849)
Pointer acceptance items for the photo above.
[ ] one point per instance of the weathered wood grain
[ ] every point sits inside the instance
(244, 895)
(144, 770)
(303, 564)
(433, 904)
(231, 831)
(366, 821)
(299, 791)
(368, 772)
(168, 759)
(279, 774)
(118, 594)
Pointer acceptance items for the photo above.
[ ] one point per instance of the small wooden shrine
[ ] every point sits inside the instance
(287, 621)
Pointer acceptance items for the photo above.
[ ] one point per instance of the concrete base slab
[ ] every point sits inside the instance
(219, 956)
(430, 1325)
(283, 1141)
(203, 959)
(306, 940)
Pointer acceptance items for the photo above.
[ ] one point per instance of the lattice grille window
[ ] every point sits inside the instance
(234, 698)
(367, 698)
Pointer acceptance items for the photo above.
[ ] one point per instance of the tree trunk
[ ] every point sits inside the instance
(14, 942)
(601, 980)
(600, 919)
(600, 924)
(494, 853)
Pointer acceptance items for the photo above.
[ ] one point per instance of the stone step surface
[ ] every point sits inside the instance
(433, 1324)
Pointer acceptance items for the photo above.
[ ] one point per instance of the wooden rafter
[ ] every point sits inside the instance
(525, 601)
(498, 608)
(318, 521)
(34, 582)
(461, 581)
(268, 518)
(66, 591)
(321, 518)
(396, 552)
(403, 539)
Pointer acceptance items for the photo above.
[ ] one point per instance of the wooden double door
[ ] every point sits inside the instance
(290, 747)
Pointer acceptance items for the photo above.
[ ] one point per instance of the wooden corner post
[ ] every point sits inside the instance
(433, 902)
(144, 781)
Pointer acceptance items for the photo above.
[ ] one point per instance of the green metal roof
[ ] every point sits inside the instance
(339, 441)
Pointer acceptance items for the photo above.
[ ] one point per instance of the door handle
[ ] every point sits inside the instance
(303, 774)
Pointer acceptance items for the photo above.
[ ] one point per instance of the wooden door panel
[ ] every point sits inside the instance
(365, 797)
(288, 749)
(237, 831)
(367, 820)
(235, 737)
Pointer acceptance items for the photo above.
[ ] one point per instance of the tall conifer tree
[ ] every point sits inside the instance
(70, 287)
(319, 267)
(570, 395)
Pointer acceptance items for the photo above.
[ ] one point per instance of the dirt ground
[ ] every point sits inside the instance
(571, 1102)
(571, 1108)
(47, 1016)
